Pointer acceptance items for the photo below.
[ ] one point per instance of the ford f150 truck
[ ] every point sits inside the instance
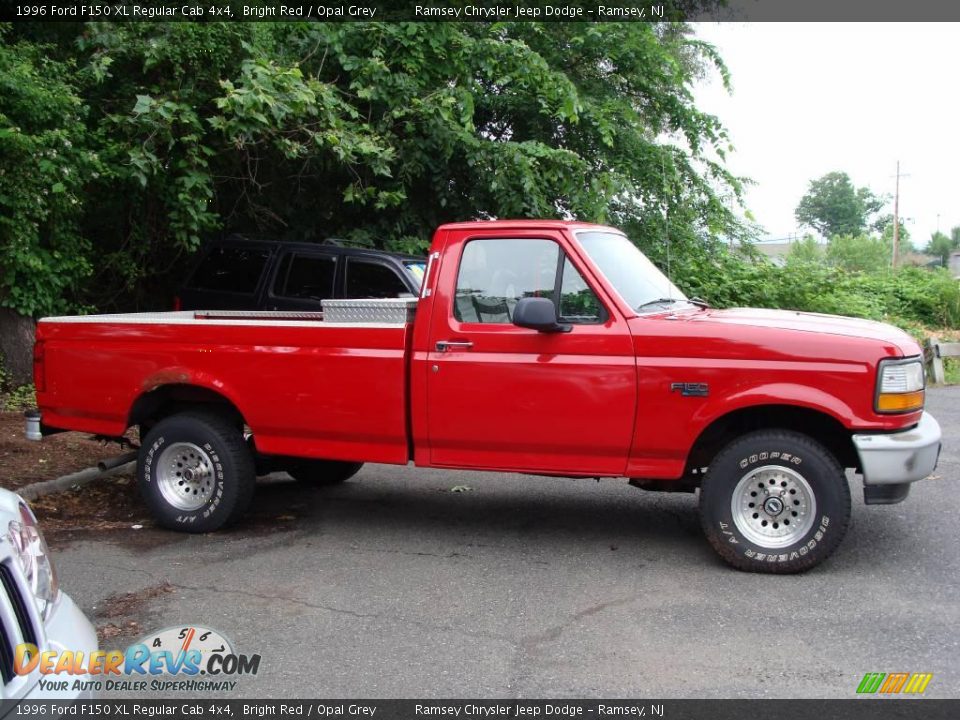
(539, 347)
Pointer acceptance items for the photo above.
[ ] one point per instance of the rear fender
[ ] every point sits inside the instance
(180, 387)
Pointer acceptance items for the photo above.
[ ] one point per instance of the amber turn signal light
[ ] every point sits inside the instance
(900, 402)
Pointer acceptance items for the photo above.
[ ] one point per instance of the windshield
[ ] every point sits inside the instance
(639, 282)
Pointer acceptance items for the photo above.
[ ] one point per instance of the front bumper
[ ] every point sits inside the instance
(68, 629)
(891, 461)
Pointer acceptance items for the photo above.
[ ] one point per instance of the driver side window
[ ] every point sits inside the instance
(578, 303)
(496, 274)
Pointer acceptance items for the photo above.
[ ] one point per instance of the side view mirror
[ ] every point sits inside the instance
(538, 314)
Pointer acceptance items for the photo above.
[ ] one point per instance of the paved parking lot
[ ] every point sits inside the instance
(393, 586)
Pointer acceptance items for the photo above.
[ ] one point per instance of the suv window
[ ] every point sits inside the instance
(496, 274)
(231, 269)
(416, 268)
(305, 276)
(372, 280)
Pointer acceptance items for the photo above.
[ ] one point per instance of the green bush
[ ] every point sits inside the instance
(21, 398)
(861, 253)
(905, 296)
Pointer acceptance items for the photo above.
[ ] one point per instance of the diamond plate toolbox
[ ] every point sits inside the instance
(399, 311)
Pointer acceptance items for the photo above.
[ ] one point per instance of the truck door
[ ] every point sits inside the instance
(504, 397)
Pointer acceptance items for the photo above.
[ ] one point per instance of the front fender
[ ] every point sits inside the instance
(775, 394)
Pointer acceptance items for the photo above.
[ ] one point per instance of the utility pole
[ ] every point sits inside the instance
(896, 219)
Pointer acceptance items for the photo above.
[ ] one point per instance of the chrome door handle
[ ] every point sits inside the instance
(448, 345)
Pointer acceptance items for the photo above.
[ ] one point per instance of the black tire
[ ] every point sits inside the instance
(762, 468)
(323, 472)
(224, 479)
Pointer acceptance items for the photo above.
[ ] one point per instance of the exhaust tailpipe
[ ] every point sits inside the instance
(115, 462)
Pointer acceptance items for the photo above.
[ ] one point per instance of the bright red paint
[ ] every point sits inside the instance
(595, 401)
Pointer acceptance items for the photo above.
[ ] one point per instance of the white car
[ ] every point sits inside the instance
(33, 609)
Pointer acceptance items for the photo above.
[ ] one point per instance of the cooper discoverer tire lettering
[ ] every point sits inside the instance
(195, 472)
(774, 502)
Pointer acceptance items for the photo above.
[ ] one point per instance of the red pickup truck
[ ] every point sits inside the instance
(538, 347)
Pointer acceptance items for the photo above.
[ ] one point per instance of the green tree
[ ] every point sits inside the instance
(941, 245)
(806, 250)
(44, 166)
(905, 243)
(376, 132)
(859, 253)
(833, 206)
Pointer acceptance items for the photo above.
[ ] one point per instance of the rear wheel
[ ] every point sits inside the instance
(195, 472)
(323, 472)
(774, 502)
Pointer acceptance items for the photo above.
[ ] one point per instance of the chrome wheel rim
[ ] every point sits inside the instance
(773, 506)
(185, 476)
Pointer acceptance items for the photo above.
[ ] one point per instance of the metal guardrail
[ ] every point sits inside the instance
(933, 353)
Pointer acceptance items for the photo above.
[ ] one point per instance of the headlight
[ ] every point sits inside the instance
(900, 386)
(34, 557)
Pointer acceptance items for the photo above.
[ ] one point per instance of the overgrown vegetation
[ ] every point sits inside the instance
(850, 274)
(122, 145)
(13, 397)
(951, 370)
(906, 297)
(20, 398)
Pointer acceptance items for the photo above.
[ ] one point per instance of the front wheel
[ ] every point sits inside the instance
(195, 472)
(775, 502)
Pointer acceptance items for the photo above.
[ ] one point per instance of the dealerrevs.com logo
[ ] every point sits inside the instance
(181, 654)
(894, 683)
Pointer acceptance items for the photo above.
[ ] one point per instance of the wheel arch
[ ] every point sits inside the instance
(816, 424)
(165, 400)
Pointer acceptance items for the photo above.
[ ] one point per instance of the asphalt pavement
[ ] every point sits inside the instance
(392, 585)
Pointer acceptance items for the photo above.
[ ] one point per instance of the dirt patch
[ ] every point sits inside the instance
(132, 603)
(112, 508)
(116, 636)
(109, 504)
(23, 461)
(113, 503)
(120, 608)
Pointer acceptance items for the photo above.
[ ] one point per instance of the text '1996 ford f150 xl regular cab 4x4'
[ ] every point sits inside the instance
(539, 347)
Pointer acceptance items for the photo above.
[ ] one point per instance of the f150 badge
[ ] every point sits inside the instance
(691, 389)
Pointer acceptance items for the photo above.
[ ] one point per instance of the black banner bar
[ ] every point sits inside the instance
(480, 11)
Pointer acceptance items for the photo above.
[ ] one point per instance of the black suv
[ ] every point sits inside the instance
(239, 273)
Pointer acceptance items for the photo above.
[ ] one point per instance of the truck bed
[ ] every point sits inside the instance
(336, 389)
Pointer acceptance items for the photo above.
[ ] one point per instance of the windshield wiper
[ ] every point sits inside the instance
(659, 301)
(699, 302)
